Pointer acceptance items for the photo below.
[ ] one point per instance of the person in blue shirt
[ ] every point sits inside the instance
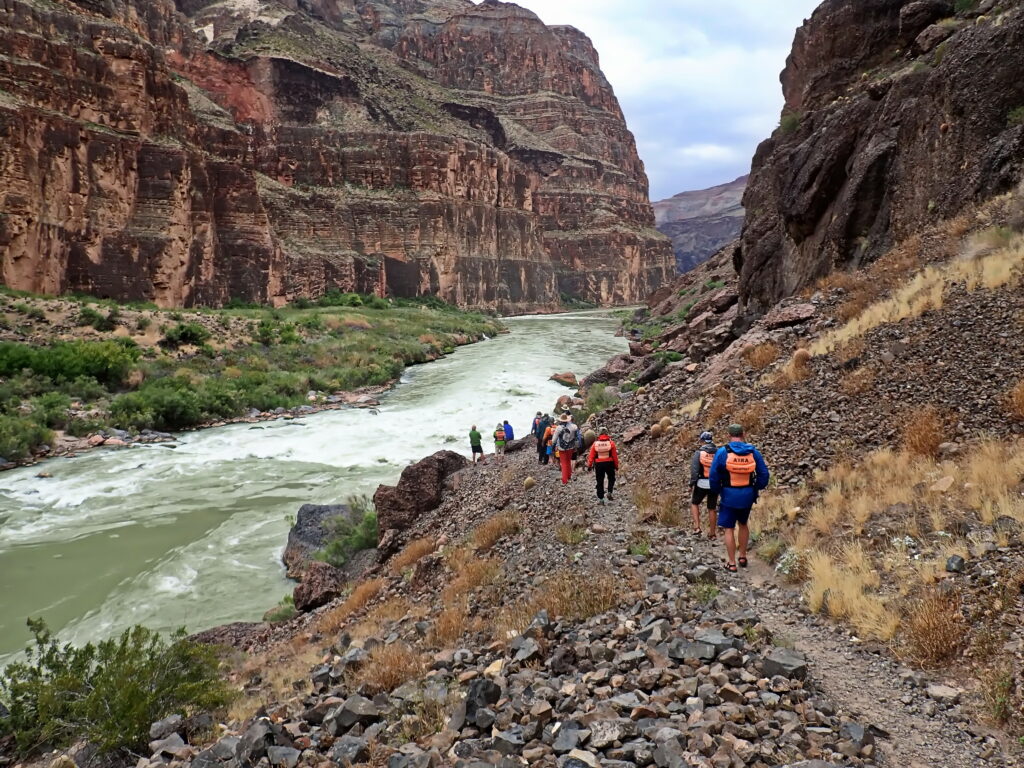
(738, 474)
(509, 437)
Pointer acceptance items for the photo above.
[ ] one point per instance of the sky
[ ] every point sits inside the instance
(698, 81)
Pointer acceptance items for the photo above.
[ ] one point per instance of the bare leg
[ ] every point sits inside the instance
(730, 545)
(712, 523)
(744, 538)
(695, 511)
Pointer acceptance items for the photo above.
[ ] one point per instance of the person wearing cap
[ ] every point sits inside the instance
(566, 441)
(540, 425)
(738, 474)
(700, 484)
(476, 444)
(499, 439)
(547, 439)
(604, 460)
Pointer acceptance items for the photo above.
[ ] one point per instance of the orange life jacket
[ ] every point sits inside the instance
(499, 435)
(707, 458)
(741, 469)
(603, 448)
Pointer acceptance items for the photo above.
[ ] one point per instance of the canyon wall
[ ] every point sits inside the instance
(192, 152)
(700, 222)
(898, 114)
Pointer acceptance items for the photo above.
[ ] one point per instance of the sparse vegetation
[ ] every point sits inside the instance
(388, 667)
(1015, 401)
(575, 595)
(570, 535)
(663, 508)
(490, 532)
(760, 356)
(360, 597)
(413, 552)
(639, 544)
(108, 693)
(924, 431)
(704, 592)
(346, 538)
(934, 628)
(789, 123)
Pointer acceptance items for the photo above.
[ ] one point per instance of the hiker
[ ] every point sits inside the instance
(700, 484)
(509, 436)
(499, 440)
(604, 460)
(567, 440)
(738, 474)
(548, 439)
(540, 425)
(476, 444)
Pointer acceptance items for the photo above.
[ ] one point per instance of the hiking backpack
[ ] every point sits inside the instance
(603, 449)
(741, 469)
(568, 439)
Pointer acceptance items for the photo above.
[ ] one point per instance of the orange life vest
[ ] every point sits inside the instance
(499, 435)
(603, 448)
(741, 469)
(707, 458)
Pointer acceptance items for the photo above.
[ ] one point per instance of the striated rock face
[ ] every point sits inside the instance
(192, 152)
(702, 221)
(892, 122)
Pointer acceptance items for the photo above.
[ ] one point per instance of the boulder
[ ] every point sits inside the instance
(566, 379)
(932, 36)
(321, 583)
(419, 490)
(794, 314)
(309, 534)
(785, 662)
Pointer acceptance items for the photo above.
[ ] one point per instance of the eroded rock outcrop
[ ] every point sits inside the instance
(193, 152)
(701, 222)
(419, 490)
(887, 128)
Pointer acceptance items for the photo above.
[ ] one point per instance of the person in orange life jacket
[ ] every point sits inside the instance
(604, 458)
(499, 439)
(566, 441)
(547, 440)
(738, 474)
(700, 484)
(540, 425)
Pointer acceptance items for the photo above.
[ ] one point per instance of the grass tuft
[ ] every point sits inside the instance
(760, 356)
(493, 530)
(924, 431)
(934, 629)
(388, 667)
(333, 620)
(413, 552)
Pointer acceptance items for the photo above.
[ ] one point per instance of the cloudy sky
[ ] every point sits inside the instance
(698, 81)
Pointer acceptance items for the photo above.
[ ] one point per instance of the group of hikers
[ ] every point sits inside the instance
(726, 479)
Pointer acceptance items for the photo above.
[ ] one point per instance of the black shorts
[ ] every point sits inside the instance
(478, 449)
(699, 494)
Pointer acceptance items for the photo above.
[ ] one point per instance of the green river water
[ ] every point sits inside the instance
(191, 534)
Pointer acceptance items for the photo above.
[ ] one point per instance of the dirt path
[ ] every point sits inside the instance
(865, 686)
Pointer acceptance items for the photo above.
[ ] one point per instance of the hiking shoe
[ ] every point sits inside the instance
(600, 501)
(610, 497)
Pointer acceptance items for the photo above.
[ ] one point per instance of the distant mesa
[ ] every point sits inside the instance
(702, 221)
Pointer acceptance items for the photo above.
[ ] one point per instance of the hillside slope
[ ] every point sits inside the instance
(700, 222)
(195, 152)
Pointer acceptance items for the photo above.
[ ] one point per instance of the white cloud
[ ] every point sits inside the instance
(698, 81)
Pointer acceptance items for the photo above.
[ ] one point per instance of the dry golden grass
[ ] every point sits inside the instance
(797, 369)
(924, 430)
(841, 587)
(1015, 401)
(451, 624)
(666, 509)
(284, 673)
(934, 628)
(388, 667)
(490, 532)
(413, 552)
(571, 594)
(471, 572)
(760, 356)
(333, 620)
(721, 404)
(927, 289)
(357, 322)
(570, 535)
(858, 382)
(751, 417)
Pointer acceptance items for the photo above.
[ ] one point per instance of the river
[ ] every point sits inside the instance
(191, 534)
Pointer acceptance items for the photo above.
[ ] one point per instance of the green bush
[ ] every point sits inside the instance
(1016, 116)
(265, 333)
(345, 539)
(82, 427)
(32, 313)
(288, 335)
(790, 122)
(51, 409)
(335, 298)
(668, 356)
(283, 611)
(143, 323)
(19, 437)
(237, 303)
(185, 333)
(83, 388)
(108, 362)
(108, 693)
(99, 321)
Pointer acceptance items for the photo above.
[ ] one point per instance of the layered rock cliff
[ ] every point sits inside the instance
(192, 152)
(899, 114)
(701, 221)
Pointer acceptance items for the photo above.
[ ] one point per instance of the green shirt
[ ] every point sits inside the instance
(474, 437)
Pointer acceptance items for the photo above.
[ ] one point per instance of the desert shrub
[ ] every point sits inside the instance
(388, 667)
(185, 333)
(83, 388)
(82, 427)
(575, 595)
(924, 431)
(639, 544)
(143, 324)
(570, 535)
(20, 436)
(1015, 401)
(283, 611)
(32, 313)
(934, 628)
(335, 618)
(346, 538)
(107, 693)
(51, 409)
(789, 123)
(312, 323)
(288, 335)
(751, 417)
(488, 533)
(998, 687)
(771, 549)
(413, 552)
(109, 362)
(760, 356)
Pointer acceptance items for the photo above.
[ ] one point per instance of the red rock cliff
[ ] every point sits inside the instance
(201, 151)
(898, 114)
